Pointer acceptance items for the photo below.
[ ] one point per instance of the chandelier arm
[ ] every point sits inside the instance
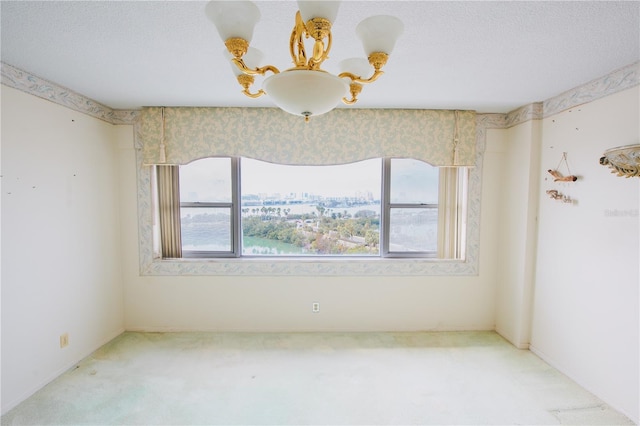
(355, 89)
(237, 46)
(267, 68)
(329, 44)
(349, 101)
(246, 80)
(296, 43)
(378, 60)
(253, 95)
(320, 52)
(250, 71)
(358, 79)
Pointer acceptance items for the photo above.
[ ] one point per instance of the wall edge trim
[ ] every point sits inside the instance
(616, 81)
(41, 88)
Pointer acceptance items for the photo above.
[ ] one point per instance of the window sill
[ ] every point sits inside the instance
(252, 266)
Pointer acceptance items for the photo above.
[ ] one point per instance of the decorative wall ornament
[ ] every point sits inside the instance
(558, 176)
(623, 160)
(555, 195)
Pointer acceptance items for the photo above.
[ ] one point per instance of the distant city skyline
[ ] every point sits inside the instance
(304, 196)
(327, 181)
(210, 180)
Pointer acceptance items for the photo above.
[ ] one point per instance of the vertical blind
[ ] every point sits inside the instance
(169, 211)
(175, 136)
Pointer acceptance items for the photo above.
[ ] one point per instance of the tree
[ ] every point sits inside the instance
(346, 229)
(372, 238)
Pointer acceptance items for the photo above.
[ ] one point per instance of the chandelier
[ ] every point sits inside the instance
(305, 89)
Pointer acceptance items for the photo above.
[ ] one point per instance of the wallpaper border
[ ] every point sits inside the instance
(616, 81)
(36, 86)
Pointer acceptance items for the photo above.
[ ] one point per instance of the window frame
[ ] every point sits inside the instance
(455, 203)
(234, 218)
(387, 206)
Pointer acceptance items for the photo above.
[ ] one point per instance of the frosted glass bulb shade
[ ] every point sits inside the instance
(252, 59)
(318, 9)
(379, 33)
(357, 66)
(233, 18)
(305, 92)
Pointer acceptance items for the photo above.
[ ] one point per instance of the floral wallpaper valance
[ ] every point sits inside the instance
(439, 137)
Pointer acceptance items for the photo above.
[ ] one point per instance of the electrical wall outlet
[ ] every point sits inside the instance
(315, 307)
(64, 340)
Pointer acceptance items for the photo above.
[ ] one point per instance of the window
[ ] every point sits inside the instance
(311, 210)
(412, 207)
(240, 207)
(207, 207)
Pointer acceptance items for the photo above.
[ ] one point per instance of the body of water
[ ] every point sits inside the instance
(256, 246)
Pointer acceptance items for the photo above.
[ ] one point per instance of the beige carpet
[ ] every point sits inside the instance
(312, 378)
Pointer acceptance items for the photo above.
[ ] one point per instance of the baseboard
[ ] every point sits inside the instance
(514, 342)
(552, 362)
(51, 377)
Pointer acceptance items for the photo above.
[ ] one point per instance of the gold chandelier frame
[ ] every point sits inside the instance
(318, 29)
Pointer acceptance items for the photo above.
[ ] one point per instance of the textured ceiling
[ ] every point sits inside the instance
(487, 56)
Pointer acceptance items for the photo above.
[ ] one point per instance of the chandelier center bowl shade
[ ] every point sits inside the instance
(306, 89)
(306, 92)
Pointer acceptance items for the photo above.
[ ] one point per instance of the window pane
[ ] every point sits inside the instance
(413, 182)
(206, 228)
(310, 210)
(206, 180)
(413, 229)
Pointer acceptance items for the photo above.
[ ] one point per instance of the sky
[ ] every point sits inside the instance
(329, 181)
(210, 179)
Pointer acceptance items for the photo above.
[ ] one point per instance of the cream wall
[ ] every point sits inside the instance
(585, 318)
(568, 274)
(519, 167)
(283, 303)
(60, 241)
(586, 310)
